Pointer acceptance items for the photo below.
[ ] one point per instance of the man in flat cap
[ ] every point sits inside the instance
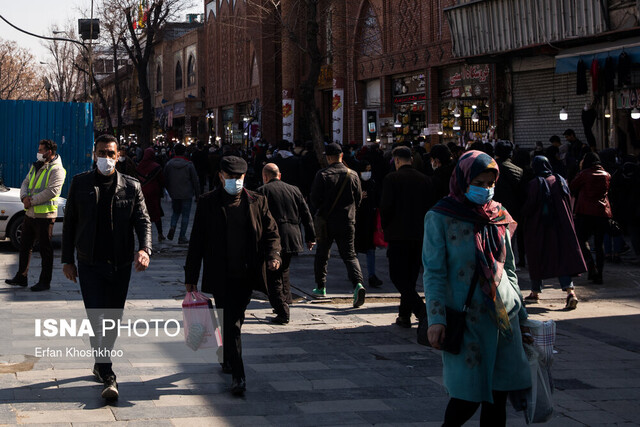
(335, 195)
(236, 239)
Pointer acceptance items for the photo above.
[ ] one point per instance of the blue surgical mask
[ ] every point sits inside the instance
(479, 195)
(233, 186)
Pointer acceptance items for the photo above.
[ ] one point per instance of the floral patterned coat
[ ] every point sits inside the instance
(488, 361)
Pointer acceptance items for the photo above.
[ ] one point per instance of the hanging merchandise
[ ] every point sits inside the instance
(581, 81)
(609, 74)
(624, 69)
(595, 72)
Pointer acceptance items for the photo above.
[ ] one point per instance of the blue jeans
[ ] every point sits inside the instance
(565, 283)
(181, 207)
(371, 262)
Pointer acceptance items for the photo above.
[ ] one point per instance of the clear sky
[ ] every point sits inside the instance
(37, 16)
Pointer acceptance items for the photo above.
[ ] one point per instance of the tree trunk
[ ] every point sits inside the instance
(103, 101)
(308, 87)
(147, 107)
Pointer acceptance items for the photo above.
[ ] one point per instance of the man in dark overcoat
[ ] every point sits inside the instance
(236, 239)
(289, 210)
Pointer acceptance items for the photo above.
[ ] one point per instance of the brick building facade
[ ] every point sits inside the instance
(384, 65)
(177, 83)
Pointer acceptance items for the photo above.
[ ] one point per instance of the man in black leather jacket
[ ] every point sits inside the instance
(104, 208)
(338, 209)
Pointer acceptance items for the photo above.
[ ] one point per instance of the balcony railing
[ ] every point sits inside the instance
(493, 26)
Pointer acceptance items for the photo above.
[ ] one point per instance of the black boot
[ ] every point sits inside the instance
(238, 386)
(18, 280)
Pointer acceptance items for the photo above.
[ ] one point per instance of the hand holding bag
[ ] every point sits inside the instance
(201, 329)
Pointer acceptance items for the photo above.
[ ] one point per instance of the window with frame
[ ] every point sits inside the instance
(178, 76)
(191, 71)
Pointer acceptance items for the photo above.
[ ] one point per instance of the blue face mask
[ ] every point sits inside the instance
(479, 195)
(233, 186)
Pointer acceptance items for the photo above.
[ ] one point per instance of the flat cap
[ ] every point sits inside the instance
(233, 165)
(332, 149)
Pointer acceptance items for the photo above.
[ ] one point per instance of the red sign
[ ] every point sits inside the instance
(409, 98)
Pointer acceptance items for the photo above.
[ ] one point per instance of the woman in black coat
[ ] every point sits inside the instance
(366, 221)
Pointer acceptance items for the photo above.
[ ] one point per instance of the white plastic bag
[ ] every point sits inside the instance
(201, 328)
(539, 398)
(537, 402)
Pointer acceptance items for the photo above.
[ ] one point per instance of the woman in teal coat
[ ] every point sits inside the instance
(466, 233)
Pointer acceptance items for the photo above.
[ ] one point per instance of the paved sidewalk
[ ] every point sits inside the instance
(332, 365)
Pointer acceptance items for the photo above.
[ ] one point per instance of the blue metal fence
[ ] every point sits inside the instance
(24, 123)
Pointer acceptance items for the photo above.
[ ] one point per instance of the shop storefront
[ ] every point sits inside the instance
(228, 126)
(466, 103)
(409, 107)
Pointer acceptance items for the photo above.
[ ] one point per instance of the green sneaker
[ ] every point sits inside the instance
(320, 292)
(358, 295)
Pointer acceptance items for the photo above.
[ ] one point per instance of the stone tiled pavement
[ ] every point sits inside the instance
(333, 365)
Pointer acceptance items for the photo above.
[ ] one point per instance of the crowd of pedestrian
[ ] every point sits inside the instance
(455, 212)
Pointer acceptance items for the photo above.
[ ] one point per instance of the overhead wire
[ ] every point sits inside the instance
(42, 37)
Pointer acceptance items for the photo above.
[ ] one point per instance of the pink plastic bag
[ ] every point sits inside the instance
(201, 328)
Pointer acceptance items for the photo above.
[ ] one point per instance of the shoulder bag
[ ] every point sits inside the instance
(456, 321)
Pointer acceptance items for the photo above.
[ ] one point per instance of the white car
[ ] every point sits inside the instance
(12, 215)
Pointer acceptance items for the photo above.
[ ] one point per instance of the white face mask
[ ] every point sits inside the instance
(366, 176)
(105, 165)
(40, 157)
(121, 159)
(233, 186)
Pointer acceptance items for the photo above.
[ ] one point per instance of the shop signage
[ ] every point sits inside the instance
(409, 98)
(288, 115)
(466, 81)
(178, 109)
(628, 98)
(408, 85)
(337, 107)
(326, 75)
(433, 129)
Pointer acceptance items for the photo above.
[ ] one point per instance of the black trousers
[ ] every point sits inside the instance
(104, 291)
(234, 304)
(344, 236)
(405, 260)
(279, 286)
(492, 414)
(596, 226)
(37, 229)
